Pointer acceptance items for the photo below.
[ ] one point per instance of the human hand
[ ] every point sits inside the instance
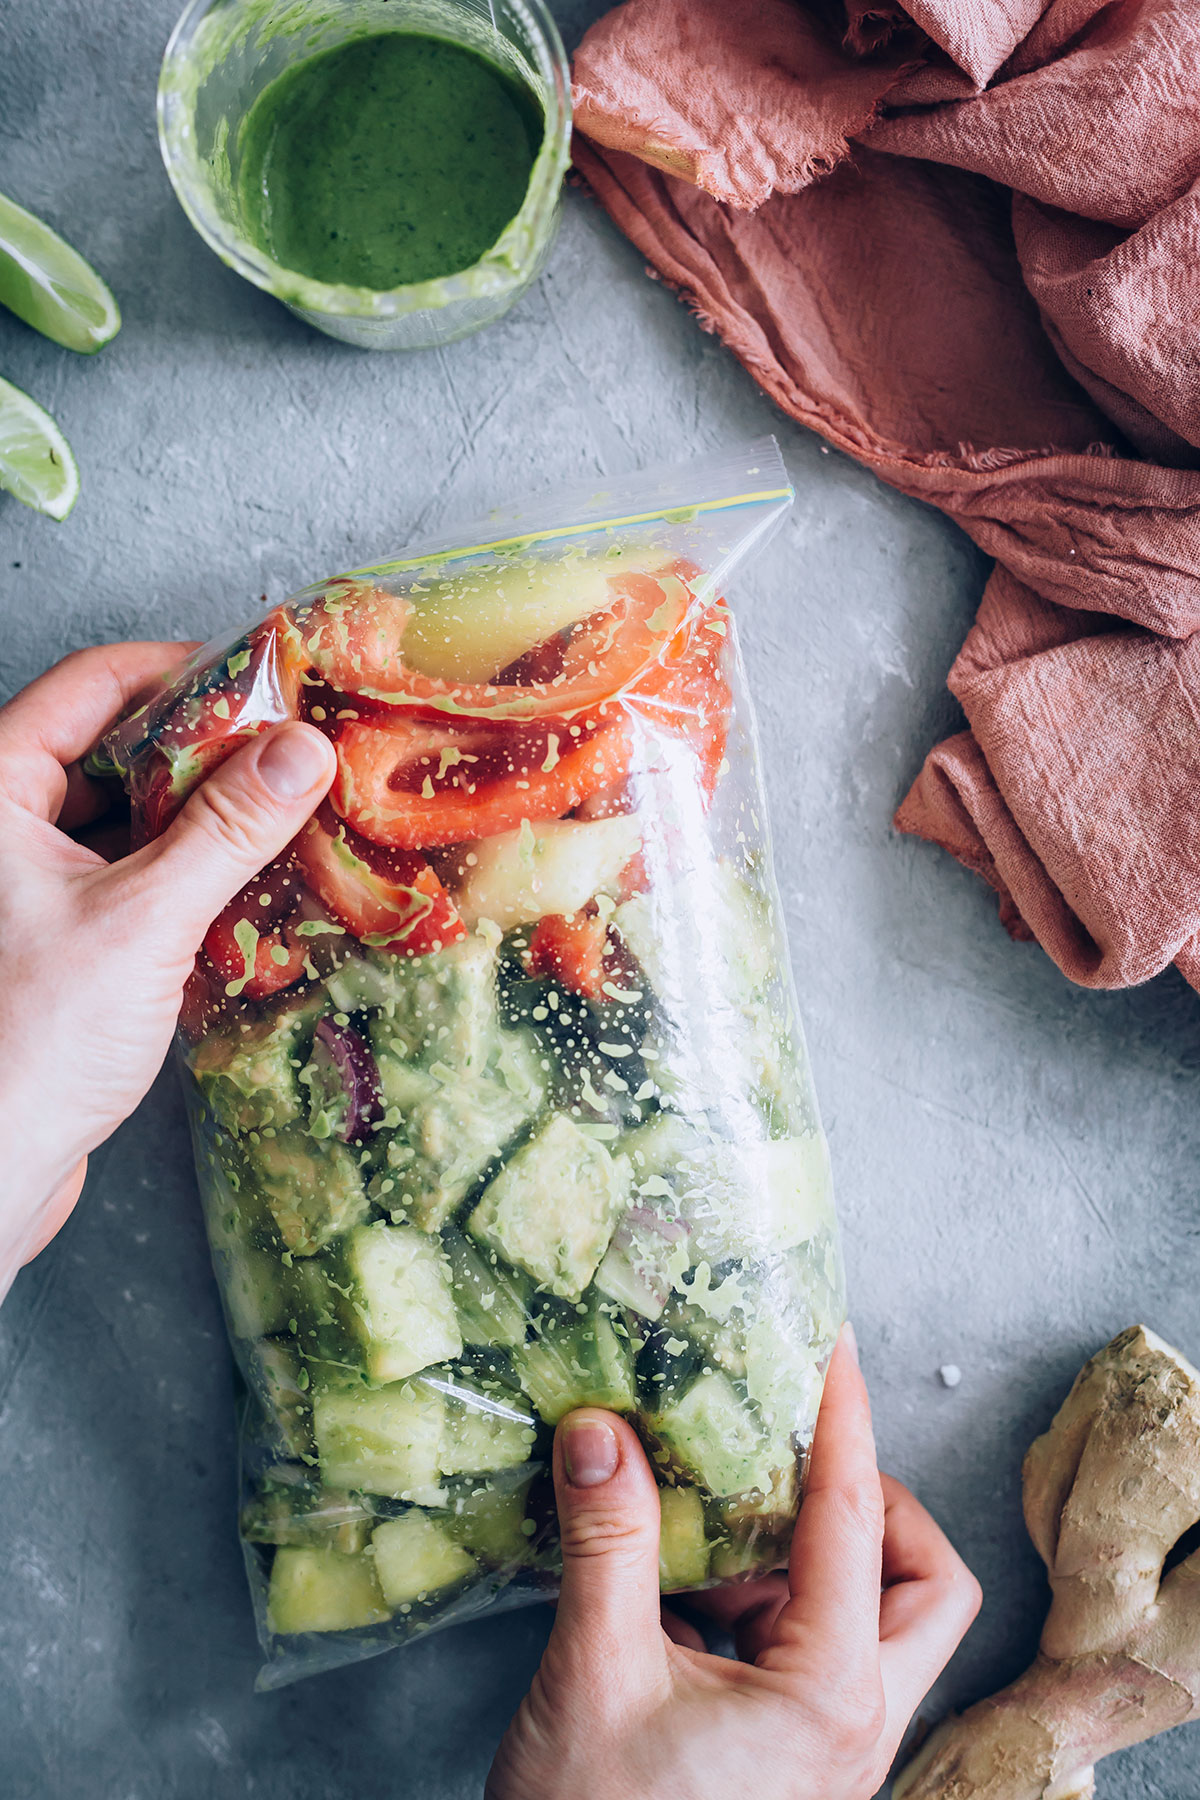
(627, 1705)
(94, 956)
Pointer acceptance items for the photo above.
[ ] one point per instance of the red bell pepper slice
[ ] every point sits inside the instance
(262, 689)
(386, 898)
(248, 945)
(570, 948)
(250, 962)
(421, 784)
(355, 639)
(687, 694)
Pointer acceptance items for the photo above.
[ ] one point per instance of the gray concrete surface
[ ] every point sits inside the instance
(1016, 1159)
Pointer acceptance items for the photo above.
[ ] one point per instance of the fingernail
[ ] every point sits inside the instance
(850, 1339)
(292, 761)
(590, 1452)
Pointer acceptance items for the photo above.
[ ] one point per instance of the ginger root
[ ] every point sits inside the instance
(1109, 1489)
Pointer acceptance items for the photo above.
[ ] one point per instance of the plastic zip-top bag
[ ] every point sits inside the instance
(499, 1100)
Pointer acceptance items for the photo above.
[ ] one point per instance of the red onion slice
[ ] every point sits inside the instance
(344, 1060)
(634, 1268)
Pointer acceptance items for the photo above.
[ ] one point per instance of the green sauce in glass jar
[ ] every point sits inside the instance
(387, 160)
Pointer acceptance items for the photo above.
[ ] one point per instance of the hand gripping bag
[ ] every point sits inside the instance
(499, 1100)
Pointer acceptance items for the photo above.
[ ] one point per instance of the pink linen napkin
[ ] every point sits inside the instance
(962, 241)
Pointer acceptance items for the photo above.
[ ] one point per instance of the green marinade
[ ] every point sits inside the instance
(387, 160)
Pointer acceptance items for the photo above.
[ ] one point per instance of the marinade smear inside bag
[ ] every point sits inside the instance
(500, 1104)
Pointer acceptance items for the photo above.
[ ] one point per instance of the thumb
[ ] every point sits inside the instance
(608, 1516)
(236, 822)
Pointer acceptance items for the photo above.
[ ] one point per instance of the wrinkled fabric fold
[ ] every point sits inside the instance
(744, 102)
(992, 299)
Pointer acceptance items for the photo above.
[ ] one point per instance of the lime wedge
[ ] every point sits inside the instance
(36, 462)
(50, 286)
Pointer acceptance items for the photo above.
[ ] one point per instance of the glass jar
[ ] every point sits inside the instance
(221, 56)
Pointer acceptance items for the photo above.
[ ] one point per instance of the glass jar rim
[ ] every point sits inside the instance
(496, 273)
